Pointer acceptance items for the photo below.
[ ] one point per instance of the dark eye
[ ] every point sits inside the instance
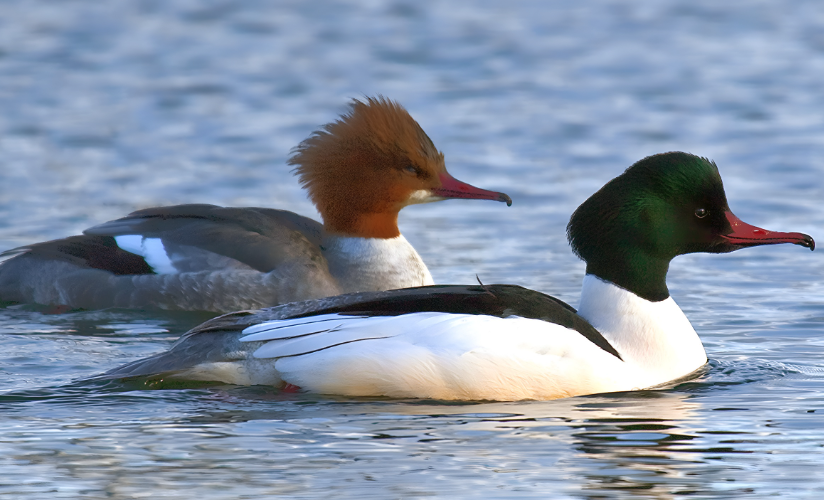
(412, 169)
(701, 212)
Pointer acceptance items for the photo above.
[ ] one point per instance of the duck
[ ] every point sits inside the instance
(359, 171)
(498, 342)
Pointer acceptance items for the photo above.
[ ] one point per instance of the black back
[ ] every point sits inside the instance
(490, 300)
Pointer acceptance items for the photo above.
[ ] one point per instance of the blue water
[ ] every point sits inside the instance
(107, 107)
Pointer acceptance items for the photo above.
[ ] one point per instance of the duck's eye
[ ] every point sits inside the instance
(412, 169)
(701, 212)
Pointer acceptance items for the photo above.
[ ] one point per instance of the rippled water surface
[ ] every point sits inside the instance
(108, 107)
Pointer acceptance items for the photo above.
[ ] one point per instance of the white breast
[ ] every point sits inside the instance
(656, 337)
(367, 264)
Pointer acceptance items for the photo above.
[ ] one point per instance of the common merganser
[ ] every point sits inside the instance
(360, 171)
(499, 342)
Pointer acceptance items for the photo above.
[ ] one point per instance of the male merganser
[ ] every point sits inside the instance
(499, 342)
(360, 171)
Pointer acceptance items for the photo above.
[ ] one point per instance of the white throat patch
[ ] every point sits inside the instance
(367, 264)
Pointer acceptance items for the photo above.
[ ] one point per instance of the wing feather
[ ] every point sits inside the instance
(313, 336)
(272, 330)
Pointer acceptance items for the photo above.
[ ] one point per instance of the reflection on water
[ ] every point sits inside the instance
(113, 106)
(255, 441)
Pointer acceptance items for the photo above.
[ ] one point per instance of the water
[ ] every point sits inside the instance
(110, 107)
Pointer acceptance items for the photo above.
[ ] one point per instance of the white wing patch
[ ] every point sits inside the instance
(151, 249)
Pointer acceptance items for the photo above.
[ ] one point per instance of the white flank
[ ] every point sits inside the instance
(442, 356)
(475, 357)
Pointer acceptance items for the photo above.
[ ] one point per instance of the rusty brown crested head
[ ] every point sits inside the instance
(363, 168)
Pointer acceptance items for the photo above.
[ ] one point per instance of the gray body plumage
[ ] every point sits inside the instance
(226, 259)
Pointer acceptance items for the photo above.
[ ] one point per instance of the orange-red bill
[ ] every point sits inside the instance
(747, 235)
(453, 188)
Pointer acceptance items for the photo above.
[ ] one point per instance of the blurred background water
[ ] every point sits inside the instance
(108, 107)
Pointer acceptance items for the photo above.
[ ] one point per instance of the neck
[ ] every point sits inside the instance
(640, 274)
(363, 225)
(655, 337)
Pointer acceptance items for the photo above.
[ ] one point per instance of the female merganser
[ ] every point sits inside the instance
(499, 342)
(360, 171)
